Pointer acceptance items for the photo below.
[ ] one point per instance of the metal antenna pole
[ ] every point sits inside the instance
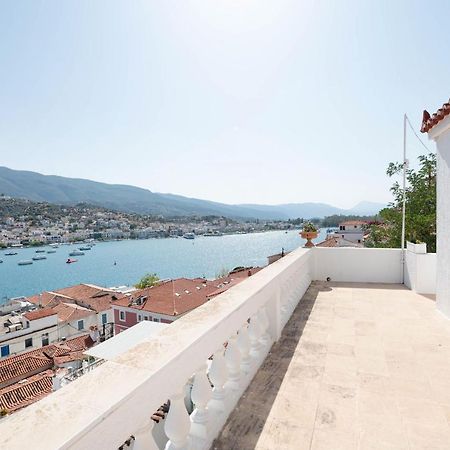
(405, 164)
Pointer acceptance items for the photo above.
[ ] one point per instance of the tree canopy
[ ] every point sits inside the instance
(420, 217)
(148, 280)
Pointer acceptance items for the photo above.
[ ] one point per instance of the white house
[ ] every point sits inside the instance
(351, 230)
(438, 128)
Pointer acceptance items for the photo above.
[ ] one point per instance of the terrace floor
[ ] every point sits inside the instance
(358, 366)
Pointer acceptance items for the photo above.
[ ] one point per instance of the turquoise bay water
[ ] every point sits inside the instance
(169, 258)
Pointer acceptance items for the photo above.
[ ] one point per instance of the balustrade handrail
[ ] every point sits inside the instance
(105, 406)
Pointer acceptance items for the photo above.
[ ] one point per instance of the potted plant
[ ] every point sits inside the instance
(309, 231)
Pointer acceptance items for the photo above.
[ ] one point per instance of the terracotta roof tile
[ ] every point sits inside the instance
(40, 313)
(20, 366)
(428, 121)
(88, 295)
(179, 296)
(69, 312)
(28, 391)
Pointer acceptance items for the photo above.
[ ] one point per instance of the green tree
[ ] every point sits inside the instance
(148, 280)
(420, 217)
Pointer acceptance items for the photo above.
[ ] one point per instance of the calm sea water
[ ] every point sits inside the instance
(169, 258)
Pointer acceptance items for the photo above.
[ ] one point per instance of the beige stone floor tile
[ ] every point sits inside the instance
(334, 348)
(374, 383)
(421, 411)
(377, 404)
(340, 362)
(410, 388)
(340, 377)
(373, 365)
(428, 436)
(298, 438)
(334, 440)
(380, 432)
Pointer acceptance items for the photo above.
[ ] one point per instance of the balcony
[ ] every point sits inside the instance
(359, 361)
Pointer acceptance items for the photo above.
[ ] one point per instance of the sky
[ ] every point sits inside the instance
(237, 101)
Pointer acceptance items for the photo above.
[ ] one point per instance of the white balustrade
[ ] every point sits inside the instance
(138, 382)
(243, 342)
(218, 375)
(200, 395)
(254, 333)
(264, 326)
(177, 424)
(233, 362)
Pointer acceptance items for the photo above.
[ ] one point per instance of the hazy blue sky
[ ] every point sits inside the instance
(230, 100)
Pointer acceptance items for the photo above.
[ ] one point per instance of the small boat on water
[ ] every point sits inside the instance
(189, 236)
(54, 245)
(1, 260)
(51, 251)
(25, 262)
(85, 248)
(10, 253)
(76, 253)
(40, 251)
(70, 260)
(38, 258)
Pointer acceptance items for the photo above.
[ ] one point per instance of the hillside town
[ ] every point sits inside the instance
(45, 337)
(23, 222)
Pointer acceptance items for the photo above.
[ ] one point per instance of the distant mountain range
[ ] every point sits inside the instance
(70, 191)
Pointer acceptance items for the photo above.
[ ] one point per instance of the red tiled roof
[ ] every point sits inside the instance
(68, 312)
(29, 391)
(88, 295)
(337, 242)
(428, 121)
(20, 366)
(17, 366)
(40, 313)
(179, 296)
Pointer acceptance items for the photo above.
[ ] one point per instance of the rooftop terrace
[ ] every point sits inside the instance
(284, 360)
(358, 366)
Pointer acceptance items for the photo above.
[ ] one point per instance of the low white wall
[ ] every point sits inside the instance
(367, 265)
(420, 271)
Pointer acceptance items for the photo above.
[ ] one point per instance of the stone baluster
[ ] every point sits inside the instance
(254, 333)
(243, 342)
(200, 395)
(264, 325)
(218, 376)
(177, 424)
(233, 362)
(143, 438)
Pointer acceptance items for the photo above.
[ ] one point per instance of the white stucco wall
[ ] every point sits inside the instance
(369, 265)
(441, 134)
(420, 271)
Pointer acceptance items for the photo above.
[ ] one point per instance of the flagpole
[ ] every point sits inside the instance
(405, 164)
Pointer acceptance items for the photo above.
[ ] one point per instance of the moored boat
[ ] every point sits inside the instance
(85, 248)
(189, 236)
(40, 251)
(70, 260)
(10, 253)
(76, 253)
(38, 258)
(25, 262)
(51, 251)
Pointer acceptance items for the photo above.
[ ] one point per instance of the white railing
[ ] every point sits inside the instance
(113, 404)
